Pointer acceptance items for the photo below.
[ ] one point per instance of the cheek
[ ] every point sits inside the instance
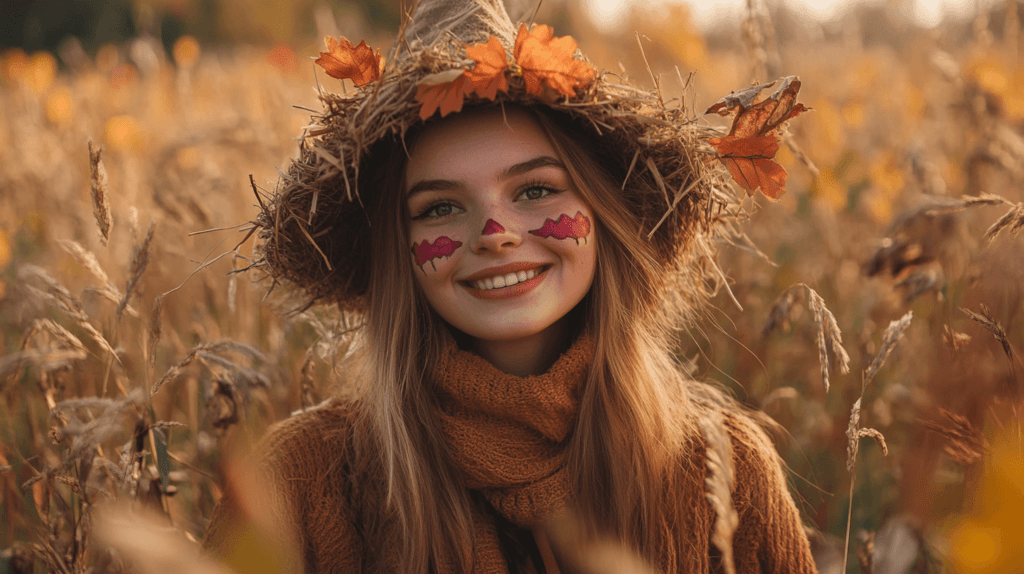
(425, 251)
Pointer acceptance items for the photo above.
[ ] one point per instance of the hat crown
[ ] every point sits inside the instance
(471, 21)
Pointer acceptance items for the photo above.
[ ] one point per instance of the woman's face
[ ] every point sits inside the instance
(501, 241)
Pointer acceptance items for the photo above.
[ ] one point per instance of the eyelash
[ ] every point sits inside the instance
(536, 184)
(425, 213)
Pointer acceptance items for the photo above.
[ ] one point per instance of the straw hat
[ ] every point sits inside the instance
(314, 232)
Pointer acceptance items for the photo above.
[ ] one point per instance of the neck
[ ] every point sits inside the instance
(532, 355)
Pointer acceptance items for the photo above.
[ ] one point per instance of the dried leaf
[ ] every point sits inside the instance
(41, 498)
(749, 149)
(444, 90)
(547, 60)
(764, 117)
(487, 77)
(751, 163)
(155, 328)
(359, 63)
(741, 99)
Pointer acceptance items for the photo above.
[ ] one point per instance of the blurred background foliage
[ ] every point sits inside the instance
(188, 98)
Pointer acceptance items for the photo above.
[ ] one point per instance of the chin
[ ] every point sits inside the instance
(502, 330)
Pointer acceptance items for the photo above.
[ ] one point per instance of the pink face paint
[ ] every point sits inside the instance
(492, 227)
(426, 252)
(575, 227)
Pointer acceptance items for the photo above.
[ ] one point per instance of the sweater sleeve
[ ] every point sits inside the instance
(293, 511)
(770, 537)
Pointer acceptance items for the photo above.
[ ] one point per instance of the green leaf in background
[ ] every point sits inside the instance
(163, 462)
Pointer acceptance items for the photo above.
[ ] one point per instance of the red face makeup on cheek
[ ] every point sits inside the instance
(492, 227)
(566, 227)
(425, 251)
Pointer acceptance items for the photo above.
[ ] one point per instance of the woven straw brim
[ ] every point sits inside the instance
(315, 234)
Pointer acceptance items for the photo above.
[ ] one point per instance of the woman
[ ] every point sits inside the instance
(520, 274)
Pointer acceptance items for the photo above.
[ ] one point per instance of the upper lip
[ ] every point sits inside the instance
(503, 270)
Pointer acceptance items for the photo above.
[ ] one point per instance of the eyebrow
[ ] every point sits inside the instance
(509, 172)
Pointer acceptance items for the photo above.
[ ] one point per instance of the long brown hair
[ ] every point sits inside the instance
(631, 421)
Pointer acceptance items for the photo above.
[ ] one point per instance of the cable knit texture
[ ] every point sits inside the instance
(507, 435)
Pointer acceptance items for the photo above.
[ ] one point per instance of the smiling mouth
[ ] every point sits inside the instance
(506, 280)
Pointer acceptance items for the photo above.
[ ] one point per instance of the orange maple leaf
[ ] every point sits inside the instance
(445, 90)
(749, 149)
(750, 161)
(546, 60)
(488, 75)
(358, 63)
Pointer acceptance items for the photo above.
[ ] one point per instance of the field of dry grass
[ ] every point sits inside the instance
(135, 361)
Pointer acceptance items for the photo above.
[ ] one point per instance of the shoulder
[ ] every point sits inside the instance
(770, 533)
(753, 452)
(311, 443)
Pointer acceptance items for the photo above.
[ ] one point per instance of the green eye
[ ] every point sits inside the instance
(441, 210)
(536, 192)
(438, 210)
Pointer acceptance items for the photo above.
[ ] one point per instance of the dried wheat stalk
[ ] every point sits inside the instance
(1013, 219)
(719, 484)
(892, 336)
(140, 258)
(205, 351)
(954, 340)
(964, 443)
(100, 201)
(866, 552)
(986, 320)
(854, 432)
(62, 299)
(87, 259)
(828, 334)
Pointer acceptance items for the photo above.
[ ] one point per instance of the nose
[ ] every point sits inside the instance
(495, 237)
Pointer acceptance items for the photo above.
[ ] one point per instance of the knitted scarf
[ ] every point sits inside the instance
(507, 434)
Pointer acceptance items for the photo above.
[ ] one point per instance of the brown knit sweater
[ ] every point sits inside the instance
(506, 435)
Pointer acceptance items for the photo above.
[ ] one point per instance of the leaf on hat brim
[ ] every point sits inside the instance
(750, 161)
(547, 60)
(749, 149)
(488, 75)
(443, 90)
(357, 63)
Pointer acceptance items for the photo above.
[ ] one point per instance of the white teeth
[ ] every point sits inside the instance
(507, 280)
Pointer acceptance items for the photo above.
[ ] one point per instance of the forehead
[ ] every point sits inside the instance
(476, 144)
